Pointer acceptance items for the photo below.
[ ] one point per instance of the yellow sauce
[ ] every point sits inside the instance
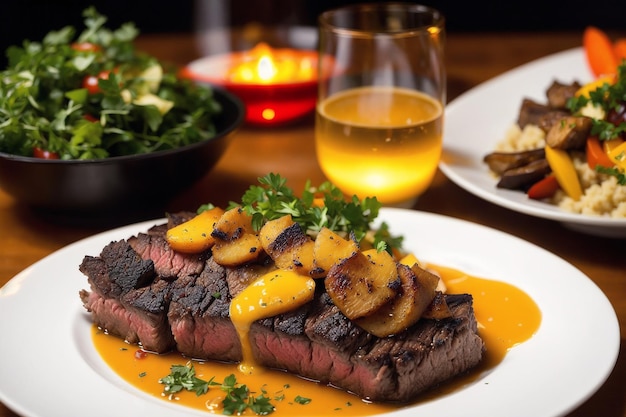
(274, 293)
(506, 315)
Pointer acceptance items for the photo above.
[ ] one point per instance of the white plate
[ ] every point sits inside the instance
(479, 118)
(50, 367)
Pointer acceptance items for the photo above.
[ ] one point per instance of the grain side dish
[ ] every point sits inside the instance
(602, 194)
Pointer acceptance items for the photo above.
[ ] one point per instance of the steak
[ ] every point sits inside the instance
(146, 293)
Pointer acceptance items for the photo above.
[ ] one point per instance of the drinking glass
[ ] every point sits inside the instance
(380, 108)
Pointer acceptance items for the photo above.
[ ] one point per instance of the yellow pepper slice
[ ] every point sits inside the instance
(594, 85)
(194, 235)
(609, 145)
(617, 154)
(564, 171)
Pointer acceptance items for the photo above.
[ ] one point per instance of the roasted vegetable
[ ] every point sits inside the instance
(363, 283)
(330, 249)
(599, 51)
(287, 244)
(194, 236)
(596, 155)
(522, 177)
(236, 242)
(544, 188)
(500, 162)
(564, 170)
(405, 309)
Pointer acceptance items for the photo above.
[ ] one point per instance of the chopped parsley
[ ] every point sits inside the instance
(238, 397)
(611, 98)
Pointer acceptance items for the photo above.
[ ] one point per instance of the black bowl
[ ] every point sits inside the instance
(117, 186)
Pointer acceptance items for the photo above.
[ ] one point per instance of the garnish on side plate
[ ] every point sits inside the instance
(93, 96)
(571, 150)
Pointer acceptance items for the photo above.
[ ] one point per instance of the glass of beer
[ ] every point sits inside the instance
(382, 90)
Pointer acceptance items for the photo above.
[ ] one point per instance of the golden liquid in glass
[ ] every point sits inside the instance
(379, 141)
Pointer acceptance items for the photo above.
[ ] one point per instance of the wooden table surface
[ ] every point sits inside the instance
(471, 58)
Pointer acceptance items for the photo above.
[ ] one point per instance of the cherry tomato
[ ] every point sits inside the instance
(44, 154)
(86, 47)
(90, 82)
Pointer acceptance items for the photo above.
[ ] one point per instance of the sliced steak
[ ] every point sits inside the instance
(167, 262)
(393, 369)
(199, 316)
(190, 311)
(127, 298)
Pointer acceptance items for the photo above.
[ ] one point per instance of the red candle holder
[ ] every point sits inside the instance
(279, 90)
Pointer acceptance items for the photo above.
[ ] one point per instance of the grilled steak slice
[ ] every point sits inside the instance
(167, 262)
(190, 312)
(127, 298)
(199, 316)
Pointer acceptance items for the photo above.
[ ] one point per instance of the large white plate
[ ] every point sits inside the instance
(50, 368)
(479, 118)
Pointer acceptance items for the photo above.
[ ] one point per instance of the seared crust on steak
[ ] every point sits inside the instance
(147, 293)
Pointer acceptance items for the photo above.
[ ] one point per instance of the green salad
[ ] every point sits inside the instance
(92, 95)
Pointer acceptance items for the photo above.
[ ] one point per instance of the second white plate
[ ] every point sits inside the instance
(479, 118)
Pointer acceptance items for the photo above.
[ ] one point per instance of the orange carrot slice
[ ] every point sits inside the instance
(619, 49)
(599, 51)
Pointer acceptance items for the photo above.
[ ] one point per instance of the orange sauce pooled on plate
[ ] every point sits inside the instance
(506, 317)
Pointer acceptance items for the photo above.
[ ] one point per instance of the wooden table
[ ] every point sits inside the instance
(472, 59)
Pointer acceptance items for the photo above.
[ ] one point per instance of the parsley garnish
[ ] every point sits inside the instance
(302, 400)
(611, 98)
(317, 207)
(238, 397)
(183, 377)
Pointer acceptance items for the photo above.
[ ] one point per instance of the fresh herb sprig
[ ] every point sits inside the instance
(238, 397)
(611, 98)
(315, 208)
(183, 377)
(608, 97)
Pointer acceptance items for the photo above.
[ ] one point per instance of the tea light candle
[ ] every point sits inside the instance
(276, 85)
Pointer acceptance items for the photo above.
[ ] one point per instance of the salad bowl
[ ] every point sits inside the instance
(121, 185)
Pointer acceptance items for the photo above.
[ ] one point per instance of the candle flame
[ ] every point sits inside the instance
(264, 65)
(266, 68)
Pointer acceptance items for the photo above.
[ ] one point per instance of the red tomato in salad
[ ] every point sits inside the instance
(44, 154)
(90, 82)
(86, 47)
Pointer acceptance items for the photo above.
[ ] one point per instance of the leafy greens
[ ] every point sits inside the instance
(135, 106)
